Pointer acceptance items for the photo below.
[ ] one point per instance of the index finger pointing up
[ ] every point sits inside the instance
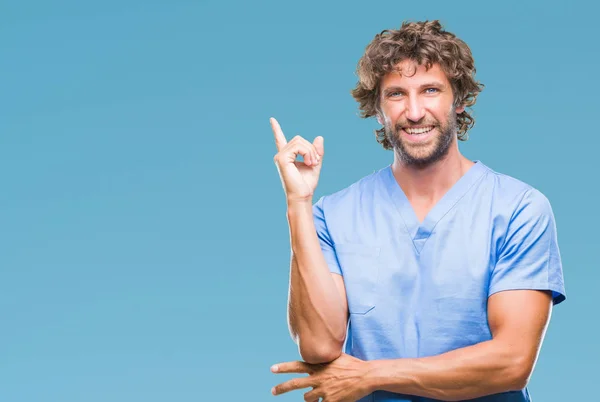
(280, 140)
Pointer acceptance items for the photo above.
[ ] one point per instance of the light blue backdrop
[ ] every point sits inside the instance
(143, 239)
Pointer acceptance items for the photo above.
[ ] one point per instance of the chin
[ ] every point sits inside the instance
(421, 159)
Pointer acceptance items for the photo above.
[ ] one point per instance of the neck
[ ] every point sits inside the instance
(429, 183)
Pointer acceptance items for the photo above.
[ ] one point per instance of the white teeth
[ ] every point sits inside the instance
(418, 130)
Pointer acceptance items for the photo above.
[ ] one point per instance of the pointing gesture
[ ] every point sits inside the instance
(299, 179)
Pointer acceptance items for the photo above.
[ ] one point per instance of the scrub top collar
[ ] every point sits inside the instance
(419, 232)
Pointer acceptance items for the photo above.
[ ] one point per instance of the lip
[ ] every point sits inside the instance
(418, 137)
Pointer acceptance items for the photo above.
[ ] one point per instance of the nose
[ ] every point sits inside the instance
(414, 109)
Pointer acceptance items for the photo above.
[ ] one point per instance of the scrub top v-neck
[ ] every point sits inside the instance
(418, 289)
(420, 231)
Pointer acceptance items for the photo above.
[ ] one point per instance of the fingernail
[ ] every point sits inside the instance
(273, 390)
(274, 369)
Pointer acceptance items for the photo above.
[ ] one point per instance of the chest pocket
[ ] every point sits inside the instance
(360, 268)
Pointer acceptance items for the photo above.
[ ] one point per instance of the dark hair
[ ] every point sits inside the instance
(425, 43)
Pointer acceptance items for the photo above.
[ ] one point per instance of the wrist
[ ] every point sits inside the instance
(393, 375)
(372, 375)
(299, 203)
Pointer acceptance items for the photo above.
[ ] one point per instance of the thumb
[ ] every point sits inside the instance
(318, 143)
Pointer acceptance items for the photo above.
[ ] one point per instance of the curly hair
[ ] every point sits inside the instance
(425, 43)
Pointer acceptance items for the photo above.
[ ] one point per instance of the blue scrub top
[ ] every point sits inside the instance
(420, 289)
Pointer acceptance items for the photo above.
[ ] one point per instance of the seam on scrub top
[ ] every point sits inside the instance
(452, 207)
(339, 266)
(552, 234)
(398, 210)
(511, 219)
(522, 286)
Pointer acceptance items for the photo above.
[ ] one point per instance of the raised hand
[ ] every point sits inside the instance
(299, 179)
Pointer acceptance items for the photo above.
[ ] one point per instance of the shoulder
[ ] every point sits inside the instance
(515, 202)
(356, 193)
(514, 193)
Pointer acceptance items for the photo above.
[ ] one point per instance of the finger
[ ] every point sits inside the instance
(314, 155)
(300, 147)
(292, 367)
(313, 396)
(280, 140)
(315, 158)
(319, 145)
(296, 383)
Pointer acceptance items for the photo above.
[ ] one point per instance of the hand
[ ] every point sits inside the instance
(342, 380)
(299, 179)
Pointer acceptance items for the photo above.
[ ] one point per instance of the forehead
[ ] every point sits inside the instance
(409, 74)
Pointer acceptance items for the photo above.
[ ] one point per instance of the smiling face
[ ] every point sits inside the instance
(417, 113)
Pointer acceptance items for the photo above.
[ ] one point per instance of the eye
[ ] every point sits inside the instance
(394, 94)
(432, 90)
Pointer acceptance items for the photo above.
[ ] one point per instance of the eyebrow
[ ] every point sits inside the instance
(423, 86)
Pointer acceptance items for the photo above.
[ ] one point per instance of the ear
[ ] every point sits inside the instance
(460, 109)
(379, 119)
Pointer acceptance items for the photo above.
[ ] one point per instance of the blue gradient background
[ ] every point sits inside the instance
(143, 239)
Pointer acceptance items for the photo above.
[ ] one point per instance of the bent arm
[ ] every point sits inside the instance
(518, 321)
(317, 306)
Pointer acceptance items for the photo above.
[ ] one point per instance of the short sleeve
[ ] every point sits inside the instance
(324, 237)
(529, 257)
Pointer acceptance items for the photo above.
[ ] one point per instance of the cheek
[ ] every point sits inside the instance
(392, 114)
(436, 105)
(440, 110)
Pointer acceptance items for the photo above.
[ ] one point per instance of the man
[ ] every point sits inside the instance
(445, 270)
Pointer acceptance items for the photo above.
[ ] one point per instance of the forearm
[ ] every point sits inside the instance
(315, 312)
(466, 373)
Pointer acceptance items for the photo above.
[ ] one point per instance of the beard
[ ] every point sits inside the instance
(423, 155)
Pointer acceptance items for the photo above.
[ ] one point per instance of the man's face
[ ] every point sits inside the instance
(418, 113)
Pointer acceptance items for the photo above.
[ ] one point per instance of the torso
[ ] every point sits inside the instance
(417, 276)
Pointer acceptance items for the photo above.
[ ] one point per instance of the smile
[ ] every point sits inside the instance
(418, 135)
(417, 131)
